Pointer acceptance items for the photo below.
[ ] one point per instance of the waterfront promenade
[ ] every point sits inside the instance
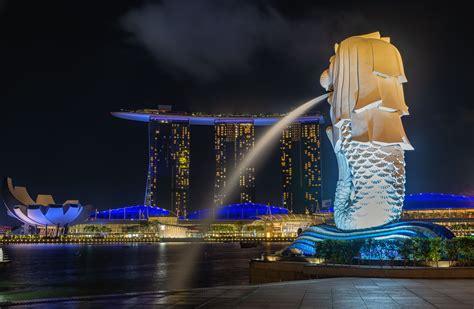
(322, 293)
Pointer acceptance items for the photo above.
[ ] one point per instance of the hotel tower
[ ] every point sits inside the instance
(167, 183)
(300, 160)
(233, 140)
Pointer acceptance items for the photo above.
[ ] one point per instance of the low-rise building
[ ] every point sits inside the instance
(456, 212)
(133, 221)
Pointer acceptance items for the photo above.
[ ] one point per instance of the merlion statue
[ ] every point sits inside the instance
(365, 76)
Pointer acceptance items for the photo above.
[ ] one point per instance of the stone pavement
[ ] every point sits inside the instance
(322, 293)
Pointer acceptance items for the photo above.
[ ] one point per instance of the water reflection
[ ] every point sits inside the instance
(41, 271)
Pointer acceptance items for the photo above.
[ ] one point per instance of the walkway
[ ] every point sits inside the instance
(323, 293)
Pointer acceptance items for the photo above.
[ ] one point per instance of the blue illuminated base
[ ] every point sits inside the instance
(306, 242)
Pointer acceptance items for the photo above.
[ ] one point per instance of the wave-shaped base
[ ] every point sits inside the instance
(306, 242)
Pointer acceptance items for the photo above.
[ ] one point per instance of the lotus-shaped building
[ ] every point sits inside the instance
(44, 211)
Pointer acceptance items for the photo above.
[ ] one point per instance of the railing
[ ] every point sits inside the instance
(259, 239)
(27, 239)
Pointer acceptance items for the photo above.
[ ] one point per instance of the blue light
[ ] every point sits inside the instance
(246, 211)
(306, 242)
(139, 212)
(437, 201)
(208, 120)
(428, 201)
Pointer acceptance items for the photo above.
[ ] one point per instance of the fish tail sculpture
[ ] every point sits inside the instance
(370, 189)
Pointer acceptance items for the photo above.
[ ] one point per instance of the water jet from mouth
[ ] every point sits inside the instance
(256, 153)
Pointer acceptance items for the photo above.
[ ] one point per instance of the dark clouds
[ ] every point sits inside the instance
(208, 38)
(2, 4)
(203, 38)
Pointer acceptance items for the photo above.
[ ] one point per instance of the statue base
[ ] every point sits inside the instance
(306, 242)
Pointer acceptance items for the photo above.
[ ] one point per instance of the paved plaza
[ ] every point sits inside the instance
(323, 293)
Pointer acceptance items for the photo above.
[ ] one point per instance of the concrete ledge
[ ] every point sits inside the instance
(278, 271)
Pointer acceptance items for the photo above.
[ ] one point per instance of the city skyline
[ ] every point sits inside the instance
(207, 153)
(60, 83)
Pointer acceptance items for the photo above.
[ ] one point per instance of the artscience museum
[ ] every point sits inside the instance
(43, 215)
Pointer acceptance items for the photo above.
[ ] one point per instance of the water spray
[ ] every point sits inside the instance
(182, 279)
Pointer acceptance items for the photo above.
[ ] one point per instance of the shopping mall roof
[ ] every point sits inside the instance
(138, 212)
(245, 211)
(433, 201)
(422, 201)
(287, 217)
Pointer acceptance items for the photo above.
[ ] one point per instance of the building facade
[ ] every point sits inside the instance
(455, 212)
(168, 167)
(233, 141)
(300, 159)
(167, 183)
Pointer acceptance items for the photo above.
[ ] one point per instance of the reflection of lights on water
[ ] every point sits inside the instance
(271, 135)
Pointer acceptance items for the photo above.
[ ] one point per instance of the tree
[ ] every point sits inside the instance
(323, 251)
(331, 253)
(406, 250)
(451, 250)
(239, 226)
(97, 229)
(422, 249)
(104, 229)
(147, 226)
(353, 248)
(90, 229)
(332, 250)
(435, 249)
(339, 252)
(465, 247)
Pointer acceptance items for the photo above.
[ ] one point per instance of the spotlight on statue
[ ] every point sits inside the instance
(367, 102)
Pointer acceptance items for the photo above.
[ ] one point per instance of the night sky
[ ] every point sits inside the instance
(65, 65)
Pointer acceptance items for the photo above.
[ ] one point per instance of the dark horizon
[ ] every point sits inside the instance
(66, 66)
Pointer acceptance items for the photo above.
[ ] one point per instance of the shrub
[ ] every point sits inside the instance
(409, 249)
(323, 250)
(435, 249)
(465, 247)
(406, 250)
(353, 249)
(422, 249)
(451, 249)
(392, 249)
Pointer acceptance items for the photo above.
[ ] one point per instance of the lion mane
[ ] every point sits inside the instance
(366, 76)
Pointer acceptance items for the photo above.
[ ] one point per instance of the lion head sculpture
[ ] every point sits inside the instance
(365, 76)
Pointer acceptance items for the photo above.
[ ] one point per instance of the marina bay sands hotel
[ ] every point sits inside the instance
(169, 132)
